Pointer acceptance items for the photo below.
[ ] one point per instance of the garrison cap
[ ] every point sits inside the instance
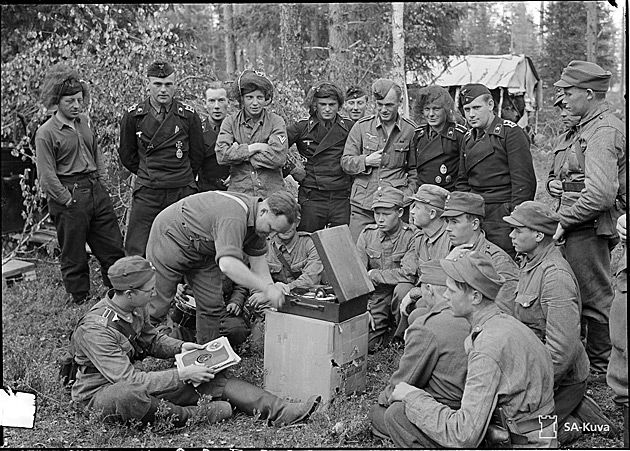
(586, 75)
(388, 197)
(431, 194)
(474, 268)
(534, 215)
(559, 98)
(460, 202)
(354, 92)
(160, 69)
(471, 91)
(381, 87)
(251, 80)
(130, 272)
(433, 273)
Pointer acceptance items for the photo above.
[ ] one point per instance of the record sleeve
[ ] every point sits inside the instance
(216, 354)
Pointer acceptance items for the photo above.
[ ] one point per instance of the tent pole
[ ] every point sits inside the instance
(500, 100)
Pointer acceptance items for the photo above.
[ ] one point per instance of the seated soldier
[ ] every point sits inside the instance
(464, 213)
(509, 374)
(382, 247)
(108, 382)
(548, 302)
(434, 357)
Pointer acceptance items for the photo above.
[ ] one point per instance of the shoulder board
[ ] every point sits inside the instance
(410, 122)
(421, 128)
(189, 108)
(300, 233)
(343, 116)
(468, 134)
(95, 319)
(302, 119)
(509, 123)
(132, 107)
(366, 118)
(461, 128)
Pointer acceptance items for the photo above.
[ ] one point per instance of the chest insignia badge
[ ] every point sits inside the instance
(443, 169)
(179, 153)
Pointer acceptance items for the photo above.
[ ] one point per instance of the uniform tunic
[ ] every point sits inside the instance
(261, 174)
(211, 174)
(437, 154)
(305, 267)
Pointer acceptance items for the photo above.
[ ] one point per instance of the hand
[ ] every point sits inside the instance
(559, 232)
(374, 159)
(404, 304)
(457, 251)
(67, 204)
(284, 287)
(371, 321)
(257, 147)
(257, 300)
(274, 295)
(196, 374)
(401, 390)
(415, 293)
(555, 188)
(371, 273)
(233, 309)
(182, 290)
(190, 346)
(621, 227)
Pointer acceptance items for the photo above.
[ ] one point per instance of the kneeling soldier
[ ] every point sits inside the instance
(116, 331)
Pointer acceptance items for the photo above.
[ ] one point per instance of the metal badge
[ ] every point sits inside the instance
(497, 129)
(438, 179)
(450, 133)
(308, 142)
(139, 134)
(448, 179)
(443, 169)
(179, 153)
(177, 129)
(180, 109)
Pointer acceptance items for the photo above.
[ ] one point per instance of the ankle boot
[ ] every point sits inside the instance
(212, 412)
(588, 411)
(598, 347)
(569, 431)
(278, 412)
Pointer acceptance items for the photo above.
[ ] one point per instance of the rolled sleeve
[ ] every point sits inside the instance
(47, 169)
(229, 235)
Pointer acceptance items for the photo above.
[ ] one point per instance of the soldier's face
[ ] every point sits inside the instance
(326, 108)
(143, 295)
(576, 100)
(387, 108)
(435, 115)
(254, 102)
(461, 229)
(217, 104)
(267, 222)
(289, 234)
(524, 239)
(387, 219)
(460, 301)
(70, 106)
(420, 214)
(568, 119)
(356, 107)
(479, 112)
(162, 90)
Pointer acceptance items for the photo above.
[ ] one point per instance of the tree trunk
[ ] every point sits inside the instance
(591, 31)
(291, 42)
(230, 44)
(398, 52)
(338, 44)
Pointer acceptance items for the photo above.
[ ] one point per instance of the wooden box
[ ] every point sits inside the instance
(18, 270)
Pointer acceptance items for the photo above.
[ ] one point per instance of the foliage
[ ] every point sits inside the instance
(483, 30)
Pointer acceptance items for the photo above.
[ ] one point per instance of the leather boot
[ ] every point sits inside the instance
(598, 348)
(588, 411)
(212, 412)
(569, 431)
(254, 400)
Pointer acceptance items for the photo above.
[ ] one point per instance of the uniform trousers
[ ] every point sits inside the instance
(384, 312)
(176, 251)
(145, 206)
(322, 208)
(91, 219)
(566, 398)
(497, 230)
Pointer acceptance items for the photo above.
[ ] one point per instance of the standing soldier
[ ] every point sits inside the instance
(253, 141)
(324, 193)
(440, 141)
(496, 163)
(72, 176)
(213, 176)
(378, 153)
(162, 143)
(593, 184)
(356, 102)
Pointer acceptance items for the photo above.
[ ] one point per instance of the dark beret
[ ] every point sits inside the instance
(476, 269)
(388, 197)
(460, 202)
(534, 215)
(354, 92)
(586, 75)
(130, 272)
(160, 69)
(471, 91)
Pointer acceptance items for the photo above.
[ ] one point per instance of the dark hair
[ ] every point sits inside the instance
(62, 80)
(439, 96)
(323, 90)
(217, 84)
(283, 203)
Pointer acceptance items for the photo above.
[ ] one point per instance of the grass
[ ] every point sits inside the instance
(35, 327)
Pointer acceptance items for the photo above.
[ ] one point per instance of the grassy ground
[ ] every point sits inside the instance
(35, 327)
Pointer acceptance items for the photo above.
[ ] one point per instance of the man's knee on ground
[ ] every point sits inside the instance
(121, 401)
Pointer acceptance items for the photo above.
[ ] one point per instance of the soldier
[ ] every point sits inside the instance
(382, 247)
(72, 175)
(356, 102)
(253, 141)
(509, 374)
(324, 193)
(464, 213)
(593, 183)
(440, 141)
(434, 357)
(205, 235)
(116, 331)
(213, 176)
(431, 242)
(162, 143)
(379, 152)
(496, 163)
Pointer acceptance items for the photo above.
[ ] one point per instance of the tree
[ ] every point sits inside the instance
(398, 52)
(523, 33)
(484, 30)
(338, 43)
(591, 31)
(291, 42)
(230, 45)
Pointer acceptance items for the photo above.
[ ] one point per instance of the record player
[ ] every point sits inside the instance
(346, 296)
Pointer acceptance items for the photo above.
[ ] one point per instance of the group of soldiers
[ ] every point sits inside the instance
(502, 303)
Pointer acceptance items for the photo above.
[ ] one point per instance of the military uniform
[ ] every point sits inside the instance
(498, 165)
(437, 154)
(212, 176)
(296, 263)
(165, 156)
(324, 193)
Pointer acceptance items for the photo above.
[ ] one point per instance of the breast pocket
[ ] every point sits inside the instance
(298, 266)
(529, 311)
(398, 156)
(374, 258)
(370, 146)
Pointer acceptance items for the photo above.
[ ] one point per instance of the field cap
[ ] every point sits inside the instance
(534, 215)
(474, 268)
(433, 273)
(388, 197)
(460, 202)
(431, 194)
(381, 87)
(471, 91)
(354, 92)
(585, 75)
(130, 272)
(160, 69)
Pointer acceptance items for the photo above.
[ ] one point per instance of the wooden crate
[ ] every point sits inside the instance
(18, 270)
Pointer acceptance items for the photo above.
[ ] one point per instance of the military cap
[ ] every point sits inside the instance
(388, 197)
(431, 194)
(251, 80)
(471, 91)
(130, 272)
(586, 75)
(433, 273)
(474, 268)
(381, 87)
(160, 69)
(354, 92)
(559, 98)
(534, 215)
(460, 202)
